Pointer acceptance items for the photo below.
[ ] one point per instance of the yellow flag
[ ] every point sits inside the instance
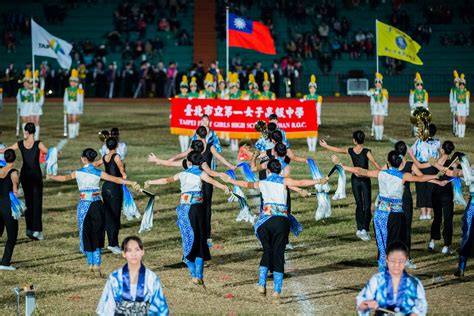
(394, 43)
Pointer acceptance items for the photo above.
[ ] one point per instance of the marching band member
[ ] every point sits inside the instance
(422, 151)
(193, 93)
(73, 104)
(378, 106)
(190, 212)
(418, 97)
(266, 93)
(37, 110)
(133, 289)
(274, 223)
(183, 86)
(24, 100)
(222, 92)
(235, 94)
(312, 86)
(122, 148)
(461, 103)
(90, 210)
(452, 94)
(209, 92)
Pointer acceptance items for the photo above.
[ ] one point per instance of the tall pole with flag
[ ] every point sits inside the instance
(377, 45)
(227, 43)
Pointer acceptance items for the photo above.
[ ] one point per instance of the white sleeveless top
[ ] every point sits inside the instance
(190, 179)
(88, 178)
(273, 190)
(391, 183)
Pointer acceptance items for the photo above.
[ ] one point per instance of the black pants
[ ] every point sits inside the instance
(33, 189)
(197, 220)
(443, 209)
(361, 188)
(11, 225)
(424, 190)
(207, 190)
(408, 211)
(113, 198)
(273, 235)
(93, 230)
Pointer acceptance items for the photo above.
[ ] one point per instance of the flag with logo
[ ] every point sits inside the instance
(394, 43)
(45, 44)
(249, 34)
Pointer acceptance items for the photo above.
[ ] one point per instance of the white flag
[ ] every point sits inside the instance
(45, 44)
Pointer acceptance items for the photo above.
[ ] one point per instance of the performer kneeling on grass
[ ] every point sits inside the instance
(133, 289)
(389, 219)
(191, 213)
(8, 184)
(361, 186)
(274, 223)
(393, 289)
(31, 180)
(90, 209)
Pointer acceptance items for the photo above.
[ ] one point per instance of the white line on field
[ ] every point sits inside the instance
(299, 290)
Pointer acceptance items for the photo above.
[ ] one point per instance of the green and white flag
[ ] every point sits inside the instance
(45, 44)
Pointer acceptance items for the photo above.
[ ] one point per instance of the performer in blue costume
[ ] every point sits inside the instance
(274, 223)
(394, 289)
(191, 213)
(389, 218)
(133, 289)
(90, 209)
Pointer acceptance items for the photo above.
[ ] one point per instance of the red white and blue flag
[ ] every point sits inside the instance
(249, 34)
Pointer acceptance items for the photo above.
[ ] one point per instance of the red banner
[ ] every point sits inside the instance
(237, 118)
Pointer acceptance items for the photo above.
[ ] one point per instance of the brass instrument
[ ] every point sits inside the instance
(103, 135)
(421, 118)
(261, 127)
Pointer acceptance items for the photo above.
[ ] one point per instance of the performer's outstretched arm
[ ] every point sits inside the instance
(372, 160)
(12, 147)
(293, 157)
(340, 150)
(181, 156)
(304, 183)
(221, 158)
(205, 177)
(62, 178)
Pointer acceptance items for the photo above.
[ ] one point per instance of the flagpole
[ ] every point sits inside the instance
(227, 43)
(33, 64)
(376, 46)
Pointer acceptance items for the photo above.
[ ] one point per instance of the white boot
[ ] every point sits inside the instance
(181, 142)
(308, 141)
(77, 129)
(462, 130)
(37, 133)
(372, 130)
(381, 132)
(376, 132)
(315, 143)
(234, 144)
(70, 130)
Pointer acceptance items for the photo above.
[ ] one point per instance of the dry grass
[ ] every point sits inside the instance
(326, 270)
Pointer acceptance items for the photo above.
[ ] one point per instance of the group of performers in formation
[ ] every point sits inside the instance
(30, 102)
(134, 288)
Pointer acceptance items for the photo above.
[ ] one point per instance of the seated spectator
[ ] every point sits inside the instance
(323, 32)
(325, 64)
(164, 25)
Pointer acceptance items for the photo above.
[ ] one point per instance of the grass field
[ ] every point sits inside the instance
(327, 268)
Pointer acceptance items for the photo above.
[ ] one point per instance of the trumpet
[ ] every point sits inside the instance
(261, 127)
(421, 118)
(103, 135)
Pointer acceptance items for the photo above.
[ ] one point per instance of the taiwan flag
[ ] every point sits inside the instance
(246, 33)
